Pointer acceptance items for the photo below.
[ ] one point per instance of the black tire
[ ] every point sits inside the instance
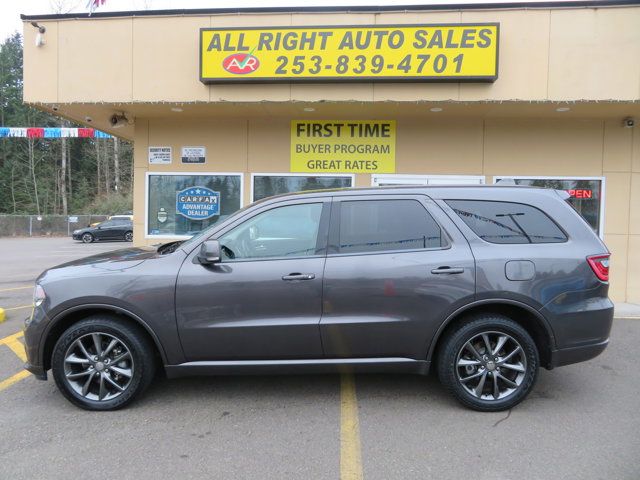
(455, 350)
(87, 238)
(128, 236)
(141, 366)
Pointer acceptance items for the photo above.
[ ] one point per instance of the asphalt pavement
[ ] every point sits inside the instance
(580, 422)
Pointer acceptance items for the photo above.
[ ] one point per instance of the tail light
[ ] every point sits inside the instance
(600, 266)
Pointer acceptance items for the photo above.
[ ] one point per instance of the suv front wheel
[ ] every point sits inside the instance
(489, 364)
(102, 363)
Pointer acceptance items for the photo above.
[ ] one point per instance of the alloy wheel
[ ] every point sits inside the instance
(491, 365)
(98, 366)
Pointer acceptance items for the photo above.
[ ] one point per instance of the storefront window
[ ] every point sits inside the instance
(585, 194)
(269, 185)
(182, 205)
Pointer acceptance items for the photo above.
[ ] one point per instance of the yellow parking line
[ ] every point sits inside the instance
(18, 349)
(13, 379)
(16, 288)
(350, 456)
(11, 338)
(18, 308)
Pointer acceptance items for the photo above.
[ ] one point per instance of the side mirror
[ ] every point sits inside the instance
(209, 252)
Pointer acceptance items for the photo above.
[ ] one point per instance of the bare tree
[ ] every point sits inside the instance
(63, 6)
(63, 171)
(116, 163)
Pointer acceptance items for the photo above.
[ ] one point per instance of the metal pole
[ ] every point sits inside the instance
(30, 221)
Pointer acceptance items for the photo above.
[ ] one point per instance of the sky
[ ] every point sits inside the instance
(10, 10)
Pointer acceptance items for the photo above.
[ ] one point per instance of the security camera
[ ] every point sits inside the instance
(118, 120)
(88, 119)
(629, 122)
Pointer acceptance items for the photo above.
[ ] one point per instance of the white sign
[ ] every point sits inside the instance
(159, 155)
(194, 154)
(73, 219)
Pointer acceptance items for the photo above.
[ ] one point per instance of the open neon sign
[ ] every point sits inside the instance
(581, 193)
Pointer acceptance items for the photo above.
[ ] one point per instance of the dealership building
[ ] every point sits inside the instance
(227, 106)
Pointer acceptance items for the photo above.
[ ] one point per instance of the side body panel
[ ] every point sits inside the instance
(390, 304)
(553, 278)
(250, 309)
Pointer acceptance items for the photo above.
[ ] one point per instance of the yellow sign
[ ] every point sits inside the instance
(346, 146)
(414, 53)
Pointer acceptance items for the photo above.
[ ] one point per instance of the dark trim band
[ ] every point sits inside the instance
(338, 9)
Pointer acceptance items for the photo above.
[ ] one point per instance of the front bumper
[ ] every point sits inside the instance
(38, 371)
(34, 327)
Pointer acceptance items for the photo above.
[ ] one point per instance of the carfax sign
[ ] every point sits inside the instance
(198, 203)
(343, 146)
(413, 53)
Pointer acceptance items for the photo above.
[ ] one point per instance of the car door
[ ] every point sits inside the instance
(103, 231)
(396, 267)
(264, 299)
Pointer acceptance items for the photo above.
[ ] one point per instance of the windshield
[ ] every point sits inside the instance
(207, 231)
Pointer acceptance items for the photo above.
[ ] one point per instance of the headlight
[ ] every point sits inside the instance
(75, 232)
(38, 295)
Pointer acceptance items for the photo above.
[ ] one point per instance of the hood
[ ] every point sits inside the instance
(114, 260)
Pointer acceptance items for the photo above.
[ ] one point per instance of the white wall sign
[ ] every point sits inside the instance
(194, 154)
(159, 155)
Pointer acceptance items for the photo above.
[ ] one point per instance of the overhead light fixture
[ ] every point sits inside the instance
(435, 109)
(40, 35)
(176, 109)
(562, 109)
(309, 109)
(118, 120)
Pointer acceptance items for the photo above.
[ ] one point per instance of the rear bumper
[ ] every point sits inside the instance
(567, 356)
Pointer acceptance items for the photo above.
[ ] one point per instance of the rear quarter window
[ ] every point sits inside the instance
(507, 222)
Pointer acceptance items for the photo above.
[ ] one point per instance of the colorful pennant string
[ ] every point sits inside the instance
(52, 132)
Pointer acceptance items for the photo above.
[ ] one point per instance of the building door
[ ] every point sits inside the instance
(264, 299)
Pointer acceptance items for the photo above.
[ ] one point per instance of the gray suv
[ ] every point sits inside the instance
(485, 284)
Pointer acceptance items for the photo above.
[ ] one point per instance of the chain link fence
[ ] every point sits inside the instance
(44, 225)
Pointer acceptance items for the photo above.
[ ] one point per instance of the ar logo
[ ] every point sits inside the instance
(241, 63)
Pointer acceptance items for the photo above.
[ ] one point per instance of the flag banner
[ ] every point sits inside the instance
(51, 132)
(35, 132)
(17, 132)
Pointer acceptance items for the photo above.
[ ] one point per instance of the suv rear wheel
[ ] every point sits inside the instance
(102, 363)
(489, 364)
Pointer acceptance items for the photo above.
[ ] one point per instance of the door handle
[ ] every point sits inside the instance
(299, 276)
(447, 270)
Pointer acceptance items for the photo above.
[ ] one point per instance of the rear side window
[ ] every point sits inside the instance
(377, 225)
(506, 222)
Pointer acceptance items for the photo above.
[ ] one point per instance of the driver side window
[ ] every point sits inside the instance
(289, 231)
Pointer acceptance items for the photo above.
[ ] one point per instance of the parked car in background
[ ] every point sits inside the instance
(120, 216)
(114, 229)
(482, 284)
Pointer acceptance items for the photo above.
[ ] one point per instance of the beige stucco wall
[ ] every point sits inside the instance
(559, 55)
(451, 146)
